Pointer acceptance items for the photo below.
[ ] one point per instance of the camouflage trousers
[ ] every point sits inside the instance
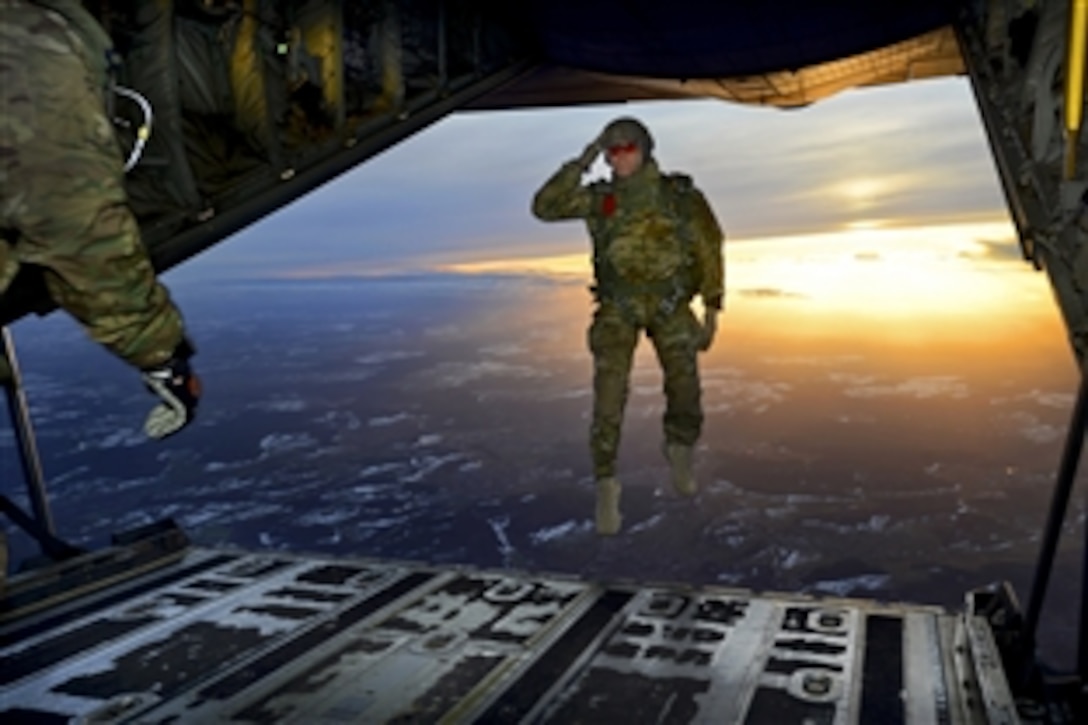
(62, 198)
(613, 336)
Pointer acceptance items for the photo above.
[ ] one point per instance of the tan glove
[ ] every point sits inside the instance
(710, 328)
(590, 153)
(178, 390)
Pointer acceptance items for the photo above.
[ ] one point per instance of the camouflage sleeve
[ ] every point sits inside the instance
(709, 249)
(95, 43)
(72, 219)
(104, 279)
(563, 196)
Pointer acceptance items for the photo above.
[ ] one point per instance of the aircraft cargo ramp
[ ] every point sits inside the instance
(229, 636)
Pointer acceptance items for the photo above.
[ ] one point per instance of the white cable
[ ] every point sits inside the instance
(143, 133)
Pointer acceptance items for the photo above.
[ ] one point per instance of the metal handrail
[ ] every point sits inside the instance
(24, 434)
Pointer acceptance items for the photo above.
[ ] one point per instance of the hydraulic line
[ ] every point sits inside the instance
(143, 132)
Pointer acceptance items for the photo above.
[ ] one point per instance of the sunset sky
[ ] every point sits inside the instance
(905, 155)
(874, 205)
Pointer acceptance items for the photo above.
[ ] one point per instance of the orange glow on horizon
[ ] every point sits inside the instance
(953, 281)
(560, 265)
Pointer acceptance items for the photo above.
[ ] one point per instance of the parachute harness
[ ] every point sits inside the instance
(672, 293)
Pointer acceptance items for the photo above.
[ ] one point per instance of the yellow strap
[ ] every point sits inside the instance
(1074, 82)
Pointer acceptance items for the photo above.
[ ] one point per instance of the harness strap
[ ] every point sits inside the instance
(673, 293)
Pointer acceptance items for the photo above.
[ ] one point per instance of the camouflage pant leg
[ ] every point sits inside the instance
(8, 267)
(612, 339)
(675, 340)
(61, 189)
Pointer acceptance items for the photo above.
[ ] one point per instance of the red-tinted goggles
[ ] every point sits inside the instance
(622, 148)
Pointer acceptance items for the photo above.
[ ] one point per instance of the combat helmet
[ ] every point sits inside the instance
(625, 130)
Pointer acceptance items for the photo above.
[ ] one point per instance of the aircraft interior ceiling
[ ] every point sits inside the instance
(706, 39)
(929, 55)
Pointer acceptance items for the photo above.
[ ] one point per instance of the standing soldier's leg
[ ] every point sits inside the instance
(612, 340)
(65, 195)
(8, 267)
(676, 340)
(3, 562)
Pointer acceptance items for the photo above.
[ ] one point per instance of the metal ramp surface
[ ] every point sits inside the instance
(227, 636)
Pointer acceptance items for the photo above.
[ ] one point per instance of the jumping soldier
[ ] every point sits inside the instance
(656, 244)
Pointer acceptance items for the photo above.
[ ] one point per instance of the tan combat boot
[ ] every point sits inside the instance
(683, 477)
(609, 519)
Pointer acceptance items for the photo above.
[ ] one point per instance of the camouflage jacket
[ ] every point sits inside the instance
(96, 45)
(652, 233)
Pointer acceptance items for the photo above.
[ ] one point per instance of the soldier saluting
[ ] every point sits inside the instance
(656, 244)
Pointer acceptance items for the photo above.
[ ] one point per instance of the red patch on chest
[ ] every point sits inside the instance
(608, 205)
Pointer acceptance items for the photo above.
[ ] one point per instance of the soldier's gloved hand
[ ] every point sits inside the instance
(178, 390)
(710, 328)
(590, 153)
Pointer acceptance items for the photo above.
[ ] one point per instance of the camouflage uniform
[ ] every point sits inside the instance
(61, 183)
(656, 244)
